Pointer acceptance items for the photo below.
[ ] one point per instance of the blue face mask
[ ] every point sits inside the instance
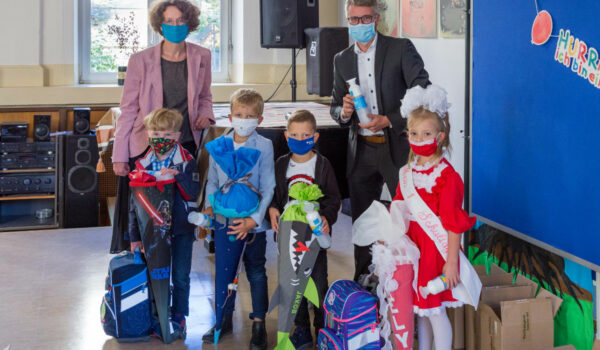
(301, 147)
(175, 34)
(362, 32)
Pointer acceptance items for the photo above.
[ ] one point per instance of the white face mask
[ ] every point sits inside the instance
(244, 127)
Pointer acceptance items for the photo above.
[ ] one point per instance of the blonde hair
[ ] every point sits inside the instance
(190, 11)
(163, 119)
(443, 125)
(301, 116)
(247, 97)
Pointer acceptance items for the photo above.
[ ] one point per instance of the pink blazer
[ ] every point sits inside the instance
(143, 93)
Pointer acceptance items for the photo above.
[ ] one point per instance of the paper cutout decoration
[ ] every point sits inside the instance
(542, 28)
(581, 58)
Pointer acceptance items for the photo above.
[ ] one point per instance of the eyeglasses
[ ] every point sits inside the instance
(366, 19)
(177, 22)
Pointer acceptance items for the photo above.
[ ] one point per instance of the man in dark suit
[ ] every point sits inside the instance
(385, 68)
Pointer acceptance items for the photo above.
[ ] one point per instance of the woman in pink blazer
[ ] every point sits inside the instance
(173, 74)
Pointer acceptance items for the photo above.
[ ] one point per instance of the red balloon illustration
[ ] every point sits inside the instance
(542, 28)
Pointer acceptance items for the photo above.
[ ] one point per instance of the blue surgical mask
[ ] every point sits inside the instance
(362, 32)
(175, 34)
(301, 147)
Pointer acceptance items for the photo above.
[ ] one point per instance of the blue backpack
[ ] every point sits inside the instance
(351, 318)
(126, 310)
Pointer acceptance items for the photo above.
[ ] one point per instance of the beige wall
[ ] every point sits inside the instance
(39, 65)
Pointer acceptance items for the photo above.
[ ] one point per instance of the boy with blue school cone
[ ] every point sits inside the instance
(238, 191)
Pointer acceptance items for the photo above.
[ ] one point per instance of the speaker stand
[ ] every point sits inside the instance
(293, 82)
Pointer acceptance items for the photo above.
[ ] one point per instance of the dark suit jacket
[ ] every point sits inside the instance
(398, 67)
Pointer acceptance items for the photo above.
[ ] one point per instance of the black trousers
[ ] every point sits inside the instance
(319, 276)
(120, 237)
(372, 168)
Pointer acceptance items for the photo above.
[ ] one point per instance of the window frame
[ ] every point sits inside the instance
(87, 76)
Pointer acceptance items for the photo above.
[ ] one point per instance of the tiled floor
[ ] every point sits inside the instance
(52, 282)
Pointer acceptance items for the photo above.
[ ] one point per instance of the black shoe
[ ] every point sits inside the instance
(259, 336)
(301, 338)
(226, 328)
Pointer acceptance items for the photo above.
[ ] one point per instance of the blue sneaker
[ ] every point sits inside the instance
(178, 321)
(301, 338)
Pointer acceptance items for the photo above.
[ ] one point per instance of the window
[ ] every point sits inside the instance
(104, 24)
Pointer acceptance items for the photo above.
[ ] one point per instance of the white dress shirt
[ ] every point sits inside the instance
(366, 79)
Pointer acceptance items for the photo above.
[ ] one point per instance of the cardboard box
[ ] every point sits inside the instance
(520, 324)
(457, 320)
(510, 316)
(564, 347)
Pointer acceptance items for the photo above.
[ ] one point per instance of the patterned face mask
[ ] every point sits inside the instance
(161, 145)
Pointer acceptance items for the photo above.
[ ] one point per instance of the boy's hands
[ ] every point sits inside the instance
(241, 227)
(274, 216)
(169, 171)
(208, 211)
(325, 229)
(135, 245)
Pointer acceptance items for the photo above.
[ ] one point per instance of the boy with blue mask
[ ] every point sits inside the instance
(238, 191)
(305, 165)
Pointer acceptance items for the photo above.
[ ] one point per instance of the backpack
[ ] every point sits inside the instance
(351, 318)
(126, 307)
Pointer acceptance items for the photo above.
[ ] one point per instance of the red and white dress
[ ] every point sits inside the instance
(441, 187)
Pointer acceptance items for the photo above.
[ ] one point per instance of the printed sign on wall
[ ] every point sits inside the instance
(419, 18)
(574, 53)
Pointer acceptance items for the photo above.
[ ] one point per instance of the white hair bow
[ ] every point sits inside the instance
(433, 98)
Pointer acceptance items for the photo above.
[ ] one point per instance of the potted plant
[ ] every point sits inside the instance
(125, 31)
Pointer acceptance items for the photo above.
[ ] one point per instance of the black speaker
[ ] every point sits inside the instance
(41, 127)
(79, 181)
(81, 121)
(321, 46)
(282, 22)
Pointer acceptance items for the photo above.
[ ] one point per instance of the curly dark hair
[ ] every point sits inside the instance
(190, 12)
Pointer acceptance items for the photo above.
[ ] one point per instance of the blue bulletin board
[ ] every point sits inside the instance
(535, 124)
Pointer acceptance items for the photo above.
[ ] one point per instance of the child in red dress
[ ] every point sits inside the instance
(441, 188)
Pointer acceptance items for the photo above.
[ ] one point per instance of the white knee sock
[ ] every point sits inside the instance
(425, 333)
(442, 331)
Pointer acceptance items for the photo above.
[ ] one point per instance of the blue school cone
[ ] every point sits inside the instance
(228, 262)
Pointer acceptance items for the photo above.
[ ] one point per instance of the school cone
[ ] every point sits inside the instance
(153, 202)
(401, 307)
